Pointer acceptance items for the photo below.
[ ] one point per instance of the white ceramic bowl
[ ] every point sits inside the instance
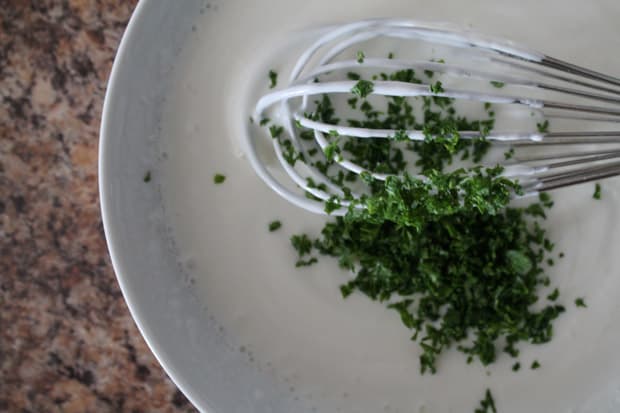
(214, 376)
(190, 345)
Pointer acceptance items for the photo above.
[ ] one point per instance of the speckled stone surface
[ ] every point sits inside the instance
(67, 341)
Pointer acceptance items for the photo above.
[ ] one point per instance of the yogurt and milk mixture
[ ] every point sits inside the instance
(354, 355)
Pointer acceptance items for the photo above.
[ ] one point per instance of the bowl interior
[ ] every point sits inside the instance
(190, 346)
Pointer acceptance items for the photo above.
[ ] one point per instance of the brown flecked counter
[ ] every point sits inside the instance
(67, 341)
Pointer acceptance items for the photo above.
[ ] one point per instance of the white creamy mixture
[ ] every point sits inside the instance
(354, 355)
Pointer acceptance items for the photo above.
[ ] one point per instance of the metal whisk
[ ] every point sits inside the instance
(543, 159)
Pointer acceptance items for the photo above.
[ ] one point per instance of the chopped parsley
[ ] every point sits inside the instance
(147, 177)
(487, 405)
(535, 365)
(276, 131)
(597, 191)
(274, 225)
(445, 250)
(497, 84)
(543, 127)
(273, 79)
(360, 57)
(579, 302)
(437, 88)
(219, 178)
(302, 244)
(554, 295)
(363, 88)
(306, 263)
(446, 232)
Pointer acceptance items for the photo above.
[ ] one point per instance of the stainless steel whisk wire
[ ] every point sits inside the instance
(535, 172)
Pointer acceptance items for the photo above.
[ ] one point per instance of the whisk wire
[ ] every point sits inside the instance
(537, 171)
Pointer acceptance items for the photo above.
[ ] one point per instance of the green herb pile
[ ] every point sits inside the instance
(461, 267)
(457, 263)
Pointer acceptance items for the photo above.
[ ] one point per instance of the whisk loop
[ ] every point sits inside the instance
(586, 155)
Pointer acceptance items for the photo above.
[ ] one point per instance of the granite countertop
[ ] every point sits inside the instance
(67, 341)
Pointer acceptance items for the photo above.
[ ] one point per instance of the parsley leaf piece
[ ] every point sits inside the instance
(306, 263)
(274, 225)
(363, 88)
(579, 302)
(554, 295)
(360, 56)
(597, 191)
(273, 79)
(218, 178)
(487, 405)
(276, 131)
(543, 127)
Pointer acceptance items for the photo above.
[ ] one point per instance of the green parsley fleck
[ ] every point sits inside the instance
(276, 131)
(579, 302)
(597, 191)
(306, 263)
(147, 177)
(274, 226)
(218, 178)
(535, 365)
(302, 244)
(554, 295)
(497, 84)
(273, 79)
(264, 121)
(543, 127)
(332, 150)
(401, 135)
(487, 405)
(363, 88)
(509, 153)
(519, 262)
(437, 88)
(391, 55)
(516, 366)
(360, 57)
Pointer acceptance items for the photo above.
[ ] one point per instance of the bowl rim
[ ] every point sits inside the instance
(112, 90)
